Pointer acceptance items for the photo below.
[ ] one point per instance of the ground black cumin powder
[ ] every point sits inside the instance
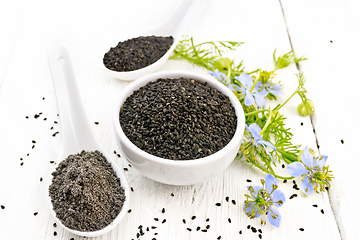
(85, 192)
(137, 53)
(178, 119)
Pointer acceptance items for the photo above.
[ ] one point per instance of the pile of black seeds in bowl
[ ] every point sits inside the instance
(178, 119)
(85, 192)
(137, 53)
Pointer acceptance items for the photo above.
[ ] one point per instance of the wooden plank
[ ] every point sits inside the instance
(259, 23)
(325, 31)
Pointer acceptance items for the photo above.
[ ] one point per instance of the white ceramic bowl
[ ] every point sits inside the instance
(178, 172)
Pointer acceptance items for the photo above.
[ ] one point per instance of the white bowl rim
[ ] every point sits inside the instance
(176, 74)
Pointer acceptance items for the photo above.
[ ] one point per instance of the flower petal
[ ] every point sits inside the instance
(296, 169)
(246, 80)
(274, 217)
(219, 75)
(306, 186)
(260, 100)
(321, 161)
(234, 87)
(278, 196)
(307, 158)
(248, 209)
(255, 130)
(266, 143)
(276, 92)
(270, 180)
(249, 99)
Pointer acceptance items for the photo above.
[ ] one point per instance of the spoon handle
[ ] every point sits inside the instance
(75, 129)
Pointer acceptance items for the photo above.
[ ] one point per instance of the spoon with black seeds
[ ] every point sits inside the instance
(133, 57)
(78, 143)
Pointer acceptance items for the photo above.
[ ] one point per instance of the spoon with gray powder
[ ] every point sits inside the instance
(89, 193)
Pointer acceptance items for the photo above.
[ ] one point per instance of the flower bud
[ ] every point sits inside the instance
(306, 108)
(222, 63)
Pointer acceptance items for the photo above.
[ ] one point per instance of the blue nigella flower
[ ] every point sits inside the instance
(312, 170)
(250, 97)
(270, 88)
(257, 140)
(220, 76)
(263, 198)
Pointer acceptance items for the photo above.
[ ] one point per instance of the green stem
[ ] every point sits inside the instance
(266, 124)
(267, 171)
(253, 86)
(278, 108)
(256, 112)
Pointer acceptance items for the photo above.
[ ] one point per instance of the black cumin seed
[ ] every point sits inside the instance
(114, 152)
(227, 199)
(163, 210)
(207, 220)
(292, 196)
(36, 116)
(331, 41)
(218, 204)
(153, 227)
(55, 233)
(45, 119)
(41, 179)
(140, 227)
(248, 180)
(198, 228)
(248, 226)
(229, 220)
(22, 163)
(207, 226)
(55, 134)
(259, 230)
(172, 194)
(240, 232)
(125, 169)
(21, 159)
(27, 154)
(342, 141)
(301, 123)
(55, 122)
(129, 211)
(193, 217)
(253, 229)
(118, 155)
(2, 207)
(72, 239)
(283, 165)
(54, 225)
(322, 211)
(294, 182)
(164, 221)
(43, 98)
(285, 181)
(203, 230)
(156, 219)
(51, 128)
(27, 117)
(96, 123)
(184, 221)
(301, 229)
(52, 162)
(147, 229)
(219, 237)
(233, 201)
(154, 239)
(33, 146)
(35, 213)
(130, 165)
(260, 236)
(155, 234)
(189, 229)
(326, 188)
(315, 205)
(137, 235)
(33, 141)
(132, 189)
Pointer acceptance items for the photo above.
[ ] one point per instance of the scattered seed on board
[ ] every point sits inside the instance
(163, 210)
(301, 229)
(240, 232)
(125, 169)
(322, 211)
(129, 211)
(260, 236)
(227, 199)
(292, 196)
(248, 180)
(35, 213)
(96, 123)
(22, 163)
(164, 221)
(342, 141)
(2, 207)
(248, 226)
(315, 205)
(218, 204)
(189, 229)
(229, 220)
(285, 181)
(172, 194)
(207, 226)
(208, 219)
(193, 217)
(198, 228)
(253, 229)
(259, 230)
(301, 123)
(233, 202)
(203, 230)
(219, 237)
(132, 189)
(184, 221)
(156, 219)
(54, 225)
(55, 233)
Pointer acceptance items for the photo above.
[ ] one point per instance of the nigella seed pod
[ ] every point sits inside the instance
(306, 108)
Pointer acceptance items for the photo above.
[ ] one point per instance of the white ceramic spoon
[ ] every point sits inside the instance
(75, 129)
(172, 26)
